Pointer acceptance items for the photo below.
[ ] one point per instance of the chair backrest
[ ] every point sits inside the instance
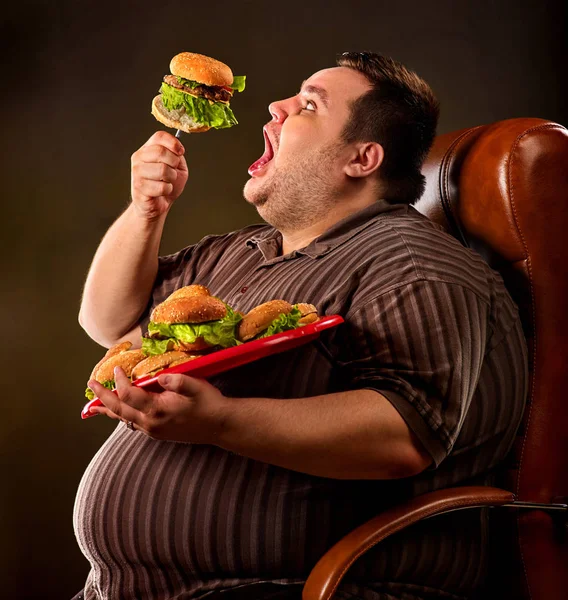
(502, 189)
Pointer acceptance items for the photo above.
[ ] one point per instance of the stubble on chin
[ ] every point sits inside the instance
(257, 192)
(296, 197)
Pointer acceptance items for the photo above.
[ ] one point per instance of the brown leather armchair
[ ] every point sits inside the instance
(502, 189)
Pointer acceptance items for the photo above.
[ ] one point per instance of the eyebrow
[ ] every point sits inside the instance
(318, 91)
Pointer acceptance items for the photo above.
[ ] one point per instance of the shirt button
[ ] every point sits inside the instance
(244, 289)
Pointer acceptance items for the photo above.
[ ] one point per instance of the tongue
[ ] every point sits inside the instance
(257, 165)
(265, 158)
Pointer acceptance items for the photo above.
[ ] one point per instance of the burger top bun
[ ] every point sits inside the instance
(177, 119)
(111, 352)
(192, 309)
(159, 362)
(180, 361)
(260, 318)
(203, 69)
(309, 313)
(127, 360)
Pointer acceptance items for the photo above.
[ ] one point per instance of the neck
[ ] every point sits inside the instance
(296, 239)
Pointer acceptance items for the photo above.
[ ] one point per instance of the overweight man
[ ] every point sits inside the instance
(235, 487)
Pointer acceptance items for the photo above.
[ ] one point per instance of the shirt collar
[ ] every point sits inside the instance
(270, 241)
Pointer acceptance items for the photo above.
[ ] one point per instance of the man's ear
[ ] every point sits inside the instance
(365, 159)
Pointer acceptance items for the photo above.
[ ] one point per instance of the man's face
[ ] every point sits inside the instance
(301, 174)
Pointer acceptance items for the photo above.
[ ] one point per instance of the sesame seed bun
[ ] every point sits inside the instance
(192, 309)
(309, 313)
(203, 69)
(260, 318)
(127, 360)
(116, 349)
(180, 361)
(153, 364)
(177, 119)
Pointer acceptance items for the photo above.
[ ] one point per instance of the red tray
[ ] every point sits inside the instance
(229, 358)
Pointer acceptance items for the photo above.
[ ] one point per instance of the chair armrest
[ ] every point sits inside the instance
(332, 566)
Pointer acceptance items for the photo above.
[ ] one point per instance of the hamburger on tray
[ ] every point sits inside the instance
(275, 316)
(191, 323)
(191, 320)
(196, 96)
(119, 355)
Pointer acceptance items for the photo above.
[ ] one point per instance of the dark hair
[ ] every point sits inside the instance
(400, 112)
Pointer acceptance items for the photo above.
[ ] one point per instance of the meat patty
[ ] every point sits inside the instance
(215, 94)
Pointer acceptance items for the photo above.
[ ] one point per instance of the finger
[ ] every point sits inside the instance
(156, 171)
(153, 189)
(103, 410)
(114, 404)
(166, 139)
(157, 154)
(182, 167)
(121, 381)
(181, 384)
(132, 395)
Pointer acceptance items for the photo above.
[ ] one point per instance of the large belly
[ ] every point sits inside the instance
(153, 515)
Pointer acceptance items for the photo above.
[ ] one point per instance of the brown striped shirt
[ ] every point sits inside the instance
(427, 324)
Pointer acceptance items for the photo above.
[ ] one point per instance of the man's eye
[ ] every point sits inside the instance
(309, 106)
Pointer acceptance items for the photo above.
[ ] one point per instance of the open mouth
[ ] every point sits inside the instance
(265, 158)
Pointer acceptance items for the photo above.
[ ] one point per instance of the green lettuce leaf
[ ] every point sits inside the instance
(201, 110)
(282, 323)
(216, 333)
(108, 384)
(151, 346)
(239, 83)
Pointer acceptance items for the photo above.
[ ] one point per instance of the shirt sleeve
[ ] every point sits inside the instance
(421, 345)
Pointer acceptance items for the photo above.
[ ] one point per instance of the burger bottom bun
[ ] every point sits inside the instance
(308, 319)
(177, 119)
(153, 364)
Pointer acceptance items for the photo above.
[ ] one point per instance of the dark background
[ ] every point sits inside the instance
(78, 81)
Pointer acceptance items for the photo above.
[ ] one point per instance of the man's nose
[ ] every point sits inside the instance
(278, 111)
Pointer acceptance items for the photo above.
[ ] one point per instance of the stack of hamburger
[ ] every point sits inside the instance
(191, 323)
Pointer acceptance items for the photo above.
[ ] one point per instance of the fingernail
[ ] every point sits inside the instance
(166, 379)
